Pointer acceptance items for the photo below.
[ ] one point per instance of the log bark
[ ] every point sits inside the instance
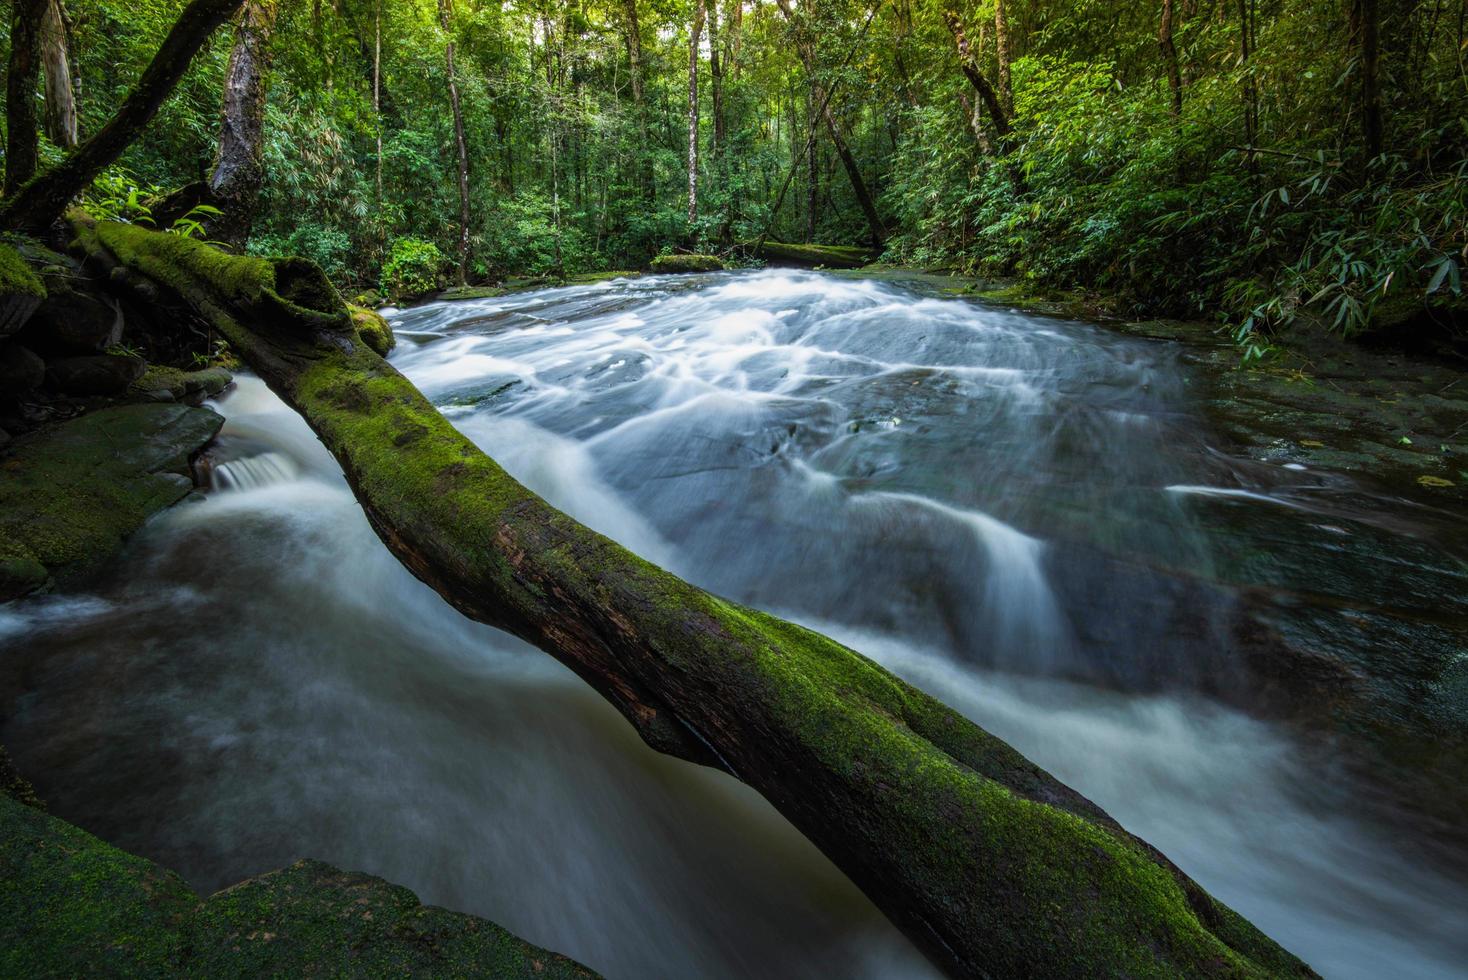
(990, 864)
(60, 117)
(23, 70)
(40, 202)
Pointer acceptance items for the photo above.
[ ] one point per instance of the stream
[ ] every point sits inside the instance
(1011, 511)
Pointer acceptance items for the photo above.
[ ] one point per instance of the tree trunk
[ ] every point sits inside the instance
(21, 152)
(716, 80)
(1002, 55)
(987, 95)
(639, 101)
(377, 95)
(445, 18)
(1250, 92)
(1169, 60)
(239, 170)
(60, 118)
(694, 33)
(1367, 16)
(990, 864)
(38, 204)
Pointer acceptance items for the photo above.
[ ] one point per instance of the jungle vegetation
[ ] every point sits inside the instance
(1245, 160)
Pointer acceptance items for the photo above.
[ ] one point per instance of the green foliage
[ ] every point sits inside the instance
(414, 266)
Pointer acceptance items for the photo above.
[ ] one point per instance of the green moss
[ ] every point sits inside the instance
(834, 256)
(72, 905)
(180, 383)
(375, 331)
(70, 494)
(16, 276)
(687, 263)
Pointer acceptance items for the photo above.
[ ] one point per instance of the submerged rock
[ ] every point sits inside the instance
(73, 905)
(70, 495)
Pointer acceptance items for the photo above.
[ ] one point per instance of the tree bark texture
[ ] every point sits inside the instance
(40, 202)
(239, 170)
(21, 150)
(990, 864)
(694, 33)
(60, 116)
(445, 18)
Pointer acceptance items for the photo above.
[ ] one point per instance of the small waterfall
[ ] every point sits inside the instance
(253, 472)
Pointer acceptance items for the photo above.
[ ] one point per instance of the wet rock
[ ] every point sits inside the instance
(21, 291)
(21, 370)
(73, 905)
(100, 374)
(165, 384)
(71, 494)
(71, 321)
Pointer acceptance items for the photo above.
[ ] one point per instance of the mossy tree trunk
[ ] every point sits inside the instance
(22, 71)
(990, 864)
(41, 201)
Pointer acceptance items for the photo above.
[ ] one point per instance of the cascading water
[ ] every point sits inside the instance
(944, 486)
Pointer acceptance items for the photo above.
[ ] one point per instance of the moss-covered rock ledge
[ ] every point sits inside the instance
(72, 493)
(72, 905)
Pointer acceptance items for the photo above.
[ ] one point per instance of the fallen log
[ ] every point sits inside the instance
(990, 864)
(811, 256)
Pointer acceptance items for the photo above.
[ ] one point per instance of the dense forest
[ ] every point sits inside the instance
(1246, 161)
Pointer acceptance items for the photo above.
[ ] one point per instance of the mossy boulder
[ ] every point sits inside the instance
(21, 291)
(159, 383)
(71, 320)
(374, 330)
(687, 263)
(71, 494)
(73, 905)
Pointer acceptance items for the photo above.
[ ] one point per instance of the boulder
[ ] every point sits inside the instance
(71, 321)
(98, 374)
(21, 370)
(166, 384)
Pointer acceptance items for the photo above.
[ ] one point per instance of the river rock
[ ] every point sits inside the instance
(99, 374)
(374, 330)
(21, 370)
(71, 494)
(166, 384)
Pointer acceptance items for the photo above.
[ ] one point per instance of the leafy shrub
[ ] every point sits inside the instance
(414, 266)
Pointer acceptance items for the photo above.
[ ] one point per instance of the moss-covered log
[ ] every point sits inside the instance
(831, 256)
(686, 263)
(989, 863)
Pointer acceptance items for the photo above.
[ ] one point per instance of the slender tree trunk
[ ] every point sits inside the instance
(639, 100)
(40, 202)
(1250, 93)
(60, 119)
(716, 80)
(1002, 55)
(445, 19)
(812, 162)
(377, 93)
(694, 33)
(1368, 30)
(21, 138)
(1169, 60)
(987, 95)
(239, 170)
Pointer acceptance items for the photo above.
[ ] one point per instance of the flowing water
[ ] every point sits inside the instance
(945, 486)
